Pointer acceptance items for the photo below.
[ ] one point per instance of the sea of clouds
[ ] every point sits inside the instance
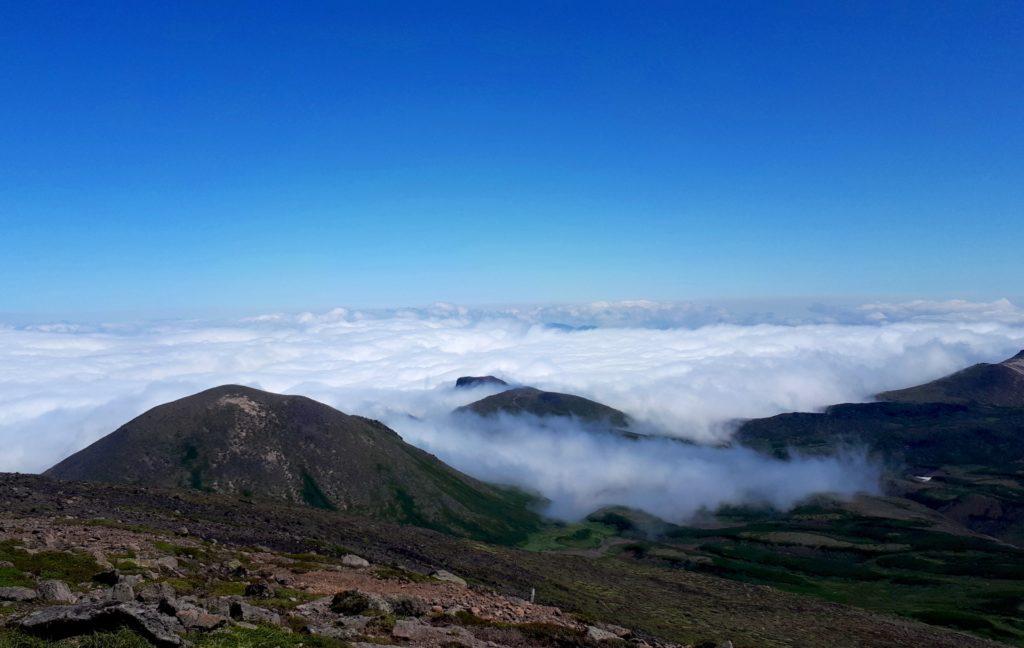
(684, 370)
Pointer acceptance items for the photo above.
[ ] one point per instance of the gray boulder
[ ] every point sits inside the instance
(156, 592)
(122, 593)
(418, 633)
(72, 620)
(448, 577)
(17, 594)
(597, 634)
(352, 560)
(56, 591)
(241, 611)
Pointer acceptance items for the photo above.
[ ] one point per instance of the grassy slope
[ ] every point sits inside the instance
(678, 604)
(907, 567)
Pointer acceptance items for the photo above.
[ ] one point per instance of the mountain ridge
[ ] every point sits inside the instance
(239, 440)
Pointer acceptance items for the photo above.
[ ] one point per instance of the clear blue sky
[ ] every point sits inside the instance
(162, 156)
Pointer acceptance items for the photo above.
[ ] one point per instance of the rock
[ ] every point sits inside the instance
(352, 560)
(122, 592)
(131, 579)
(182, 531)
(101, 559)
(436, 609)
(242, 611)
(236, 568)
(597, 634)
(6, 564)
(72, 620)
(618, 631)
(259, 590)
(195, 618)
(56, 591)
(419, 633)
(448, 577)
(107, 577)
(17, 594)
(353, 602)
(156, 592)
(168, 563)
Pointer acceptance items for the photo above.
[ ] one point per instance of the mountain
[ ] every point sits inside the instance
(955, 445)
(1000, 384)
(479, 381)
(243, 441)
(528, 400)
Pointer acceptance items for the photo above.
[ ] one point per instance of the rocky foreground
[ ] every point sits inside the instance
(217, 572)
(173, 589)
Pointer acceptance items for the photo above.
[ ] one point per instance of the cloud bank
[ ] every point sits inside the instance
(687, 370)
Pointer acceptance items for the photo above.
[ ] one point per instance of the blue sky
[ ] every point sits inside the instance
(190, 157)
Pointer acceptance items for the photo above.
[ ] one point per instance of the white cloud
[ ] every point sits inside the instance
(687, 370)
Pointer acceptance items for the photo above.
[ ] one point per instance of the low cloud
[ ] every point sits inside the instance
(580, 470)
(685, 370)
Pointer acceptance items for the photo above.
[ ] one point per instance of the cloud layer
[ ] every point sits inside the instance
(687, 370)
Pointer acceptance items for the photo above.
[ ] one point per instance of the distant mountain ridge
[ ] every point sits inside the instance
(529, 400)
(1000, 384)
(243, 441)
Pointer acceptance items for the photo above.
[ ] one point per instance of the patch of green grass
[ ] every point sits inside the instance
(181, 551)
(184, 586)
(585, 535)
(283, 596)
(313, 495)
(395, 572)
(227, 588)
(14, 577)
(73, 567)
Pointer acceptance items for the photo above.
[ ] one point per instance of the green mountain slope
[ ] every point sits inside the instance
(244, 441)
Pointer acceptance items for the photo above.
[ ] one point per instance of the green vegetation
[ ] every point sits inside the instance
(889, 565)
(72, 567)
(313, 495)
(121, 639)
(400, 574)
(490, 513)
(585, 535)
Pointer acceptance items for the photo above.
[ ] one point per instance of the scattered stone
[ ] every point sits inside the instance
(56, 591)
(419, 633)
(352, 560)
(122, 593)
(72, 620)
(355, 602)
(597, 634)
(448, 577)
(131, 579)
(169, 563)
(101, 559)
(236, 568)
(156, 592)
(17, 594)
(6, 564)
(242, 611)
(198, 619)
(183, 531)
(259, 590)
